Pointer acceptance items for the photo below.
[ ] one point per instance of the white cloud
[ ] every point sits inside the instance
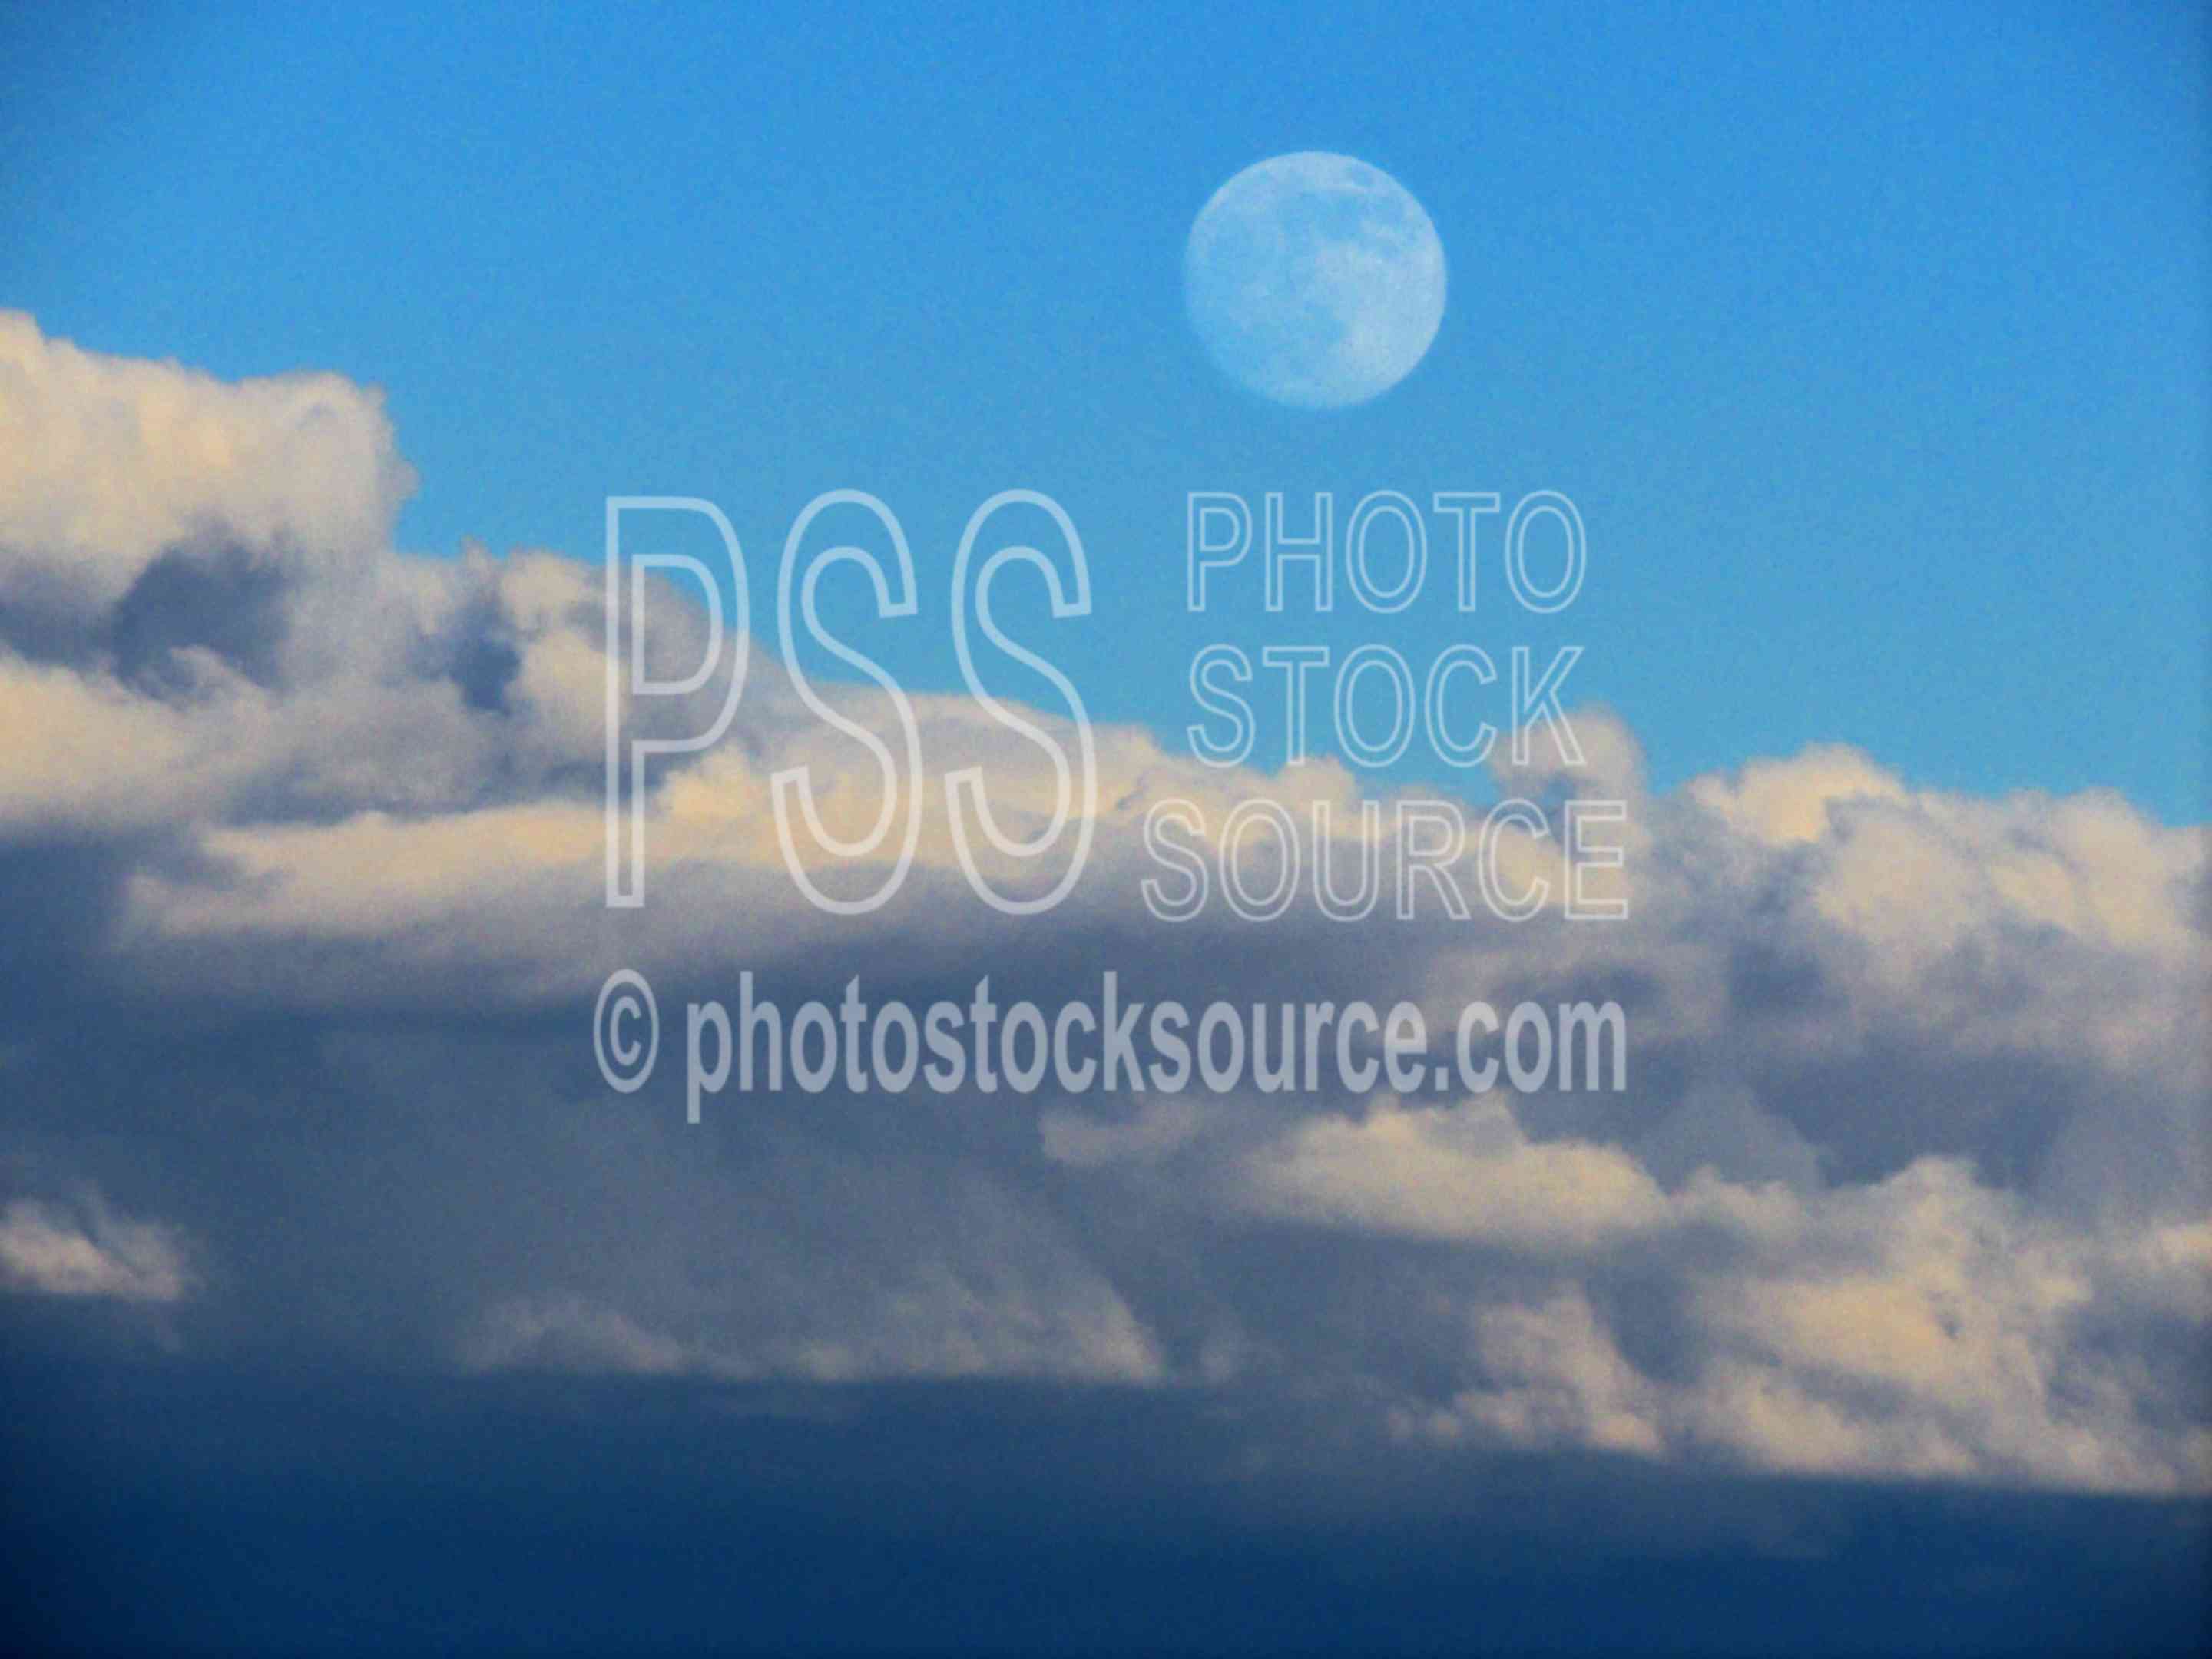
(88, 1250)
(1923, 1326)
(106, 462)
(1464, 1173)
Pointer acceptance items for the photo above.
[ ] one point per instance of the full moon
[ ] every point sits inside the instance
(1314, 279)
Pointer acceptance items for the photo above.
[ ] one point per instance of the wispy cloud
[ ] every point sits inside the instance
(86, 1249)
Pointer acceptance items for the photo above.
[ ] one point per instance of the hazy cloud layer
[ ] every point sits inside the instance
(304, 836)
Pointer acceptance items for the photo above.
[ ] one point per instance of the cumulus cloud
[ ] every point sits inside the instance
(109, 465)
(1922, 1326)
(1910, 1176)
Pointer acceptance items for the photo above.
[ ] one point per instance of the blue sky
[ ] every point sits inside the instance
(1871, 342)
